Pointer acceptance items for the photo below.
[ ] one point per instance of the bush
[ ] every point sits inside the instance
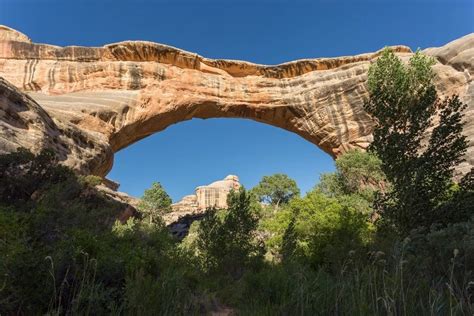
(22, 174)
(439, 247)
(90, 180)
(357, 172)
(228, 245)
(325, 229)
(62, 250)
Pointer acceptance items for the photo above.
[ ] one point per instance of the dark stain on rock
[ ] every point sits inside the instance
(136, 74)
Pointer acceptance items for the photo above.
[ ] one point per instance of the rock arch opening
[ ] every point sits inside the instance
(199, 152)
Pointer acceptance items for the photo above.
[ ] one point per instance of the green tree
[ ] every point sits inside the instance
(276, 189)
(317, 229)
(228, 244)
(418, 163)
(356, 181)
(155, 202)
(357, 172)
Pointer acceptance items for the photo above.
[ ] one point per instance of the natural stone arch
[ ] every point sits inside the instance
(100, 100)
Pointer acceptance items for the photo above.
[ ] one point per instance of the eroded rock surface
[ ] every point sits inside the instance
(24, 123)
(89, 102)
(205, 197)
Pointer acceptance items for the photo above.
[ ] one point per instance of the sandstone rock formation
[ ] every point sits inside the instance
(186, 204)
(89, 102)
(215, 194)
(24, 123)
(206, 196)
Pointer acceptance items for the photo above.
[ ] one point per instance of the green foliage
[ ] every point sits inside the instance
(62, 251)
(357, 172)
(173, 291)
(276, 189)
(189, 242)
(360, 170)
(430, 272)
(379, 285)
(403, 102)
(289, 242)
(334, 218)
(458, 206)
(467, 182)
(432, 250)
(89, 257)
(155, 202)
(325, 229)
(90, 180)
(22, 174)
(227, 245)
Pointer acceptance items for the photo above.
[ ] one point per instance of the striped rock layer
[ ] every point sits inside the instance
(89, 102)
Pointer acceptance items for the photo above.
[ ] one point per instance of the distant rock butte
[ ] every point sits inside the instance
(206, 196)
(89, 102)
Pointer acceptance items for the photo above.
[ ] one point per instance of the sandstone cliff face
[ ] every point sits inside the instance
(24, 123)
(215, 194)
(206, 196)
(96, 101)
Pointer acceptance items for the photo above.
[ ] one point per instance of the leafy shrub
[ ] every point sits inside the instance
(357, 172)
(440, 247)
(169, 293)
(90, 180)
(228, 245)
(378, 285)
(325, 229)
(62, 250)
(23, 173)
(458, 205)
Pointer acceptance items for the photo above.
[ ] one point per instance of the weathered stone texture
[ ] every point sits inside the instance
(215, 194)
(186, 204)
(96, 101)
(211, 195)
(206, 196)
(24, 123)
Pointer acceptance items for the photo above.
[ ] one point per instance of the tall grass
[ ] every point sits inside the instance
(79, 292)
(377, 288)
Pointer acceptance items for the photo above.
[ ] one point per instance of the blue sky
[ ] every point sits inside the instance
(260, 31)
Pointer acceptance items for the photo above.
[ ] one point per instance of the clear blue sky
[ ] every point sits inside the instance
(260, 31)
